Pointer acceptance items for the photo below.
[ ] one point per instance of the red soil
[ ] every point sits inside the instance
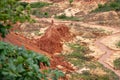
(51, 40)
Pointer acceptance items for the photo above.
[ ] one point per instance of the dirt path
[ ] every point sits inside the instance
(108, 53)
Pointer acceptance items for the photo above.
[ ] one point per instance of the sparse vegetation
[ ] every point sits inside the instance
(40, 14)
(78, 58)
(39, 4)
(64, 17)
(117, 63)
(108, 6)
(36, 4)
(18, 63)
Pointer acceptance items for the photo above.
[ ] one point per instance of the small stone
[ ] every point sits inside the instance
(75, 68)
(68, 76)
(60, 67)
(32, 34)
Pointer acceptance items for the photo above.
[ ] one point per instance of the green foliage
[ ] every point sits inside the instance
(79, 51)
(36, 8)
(108, 6)
(88, 76)
(4, 30)
(77, 56)
(40, 14)
(16, 63)
(64, 17)
(55, 73)
(11, 11)
(39, 4)
(35, 4)
(117, 63)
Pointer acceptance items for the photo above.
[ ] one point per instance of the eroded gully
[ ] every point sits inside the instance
(98, 44)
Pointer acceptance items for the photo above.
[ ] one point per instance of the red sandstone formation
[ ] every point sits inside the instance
(51, 40)
(20, 40)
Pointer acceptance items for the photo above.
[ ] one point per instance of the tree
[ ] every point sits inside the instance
(12, 11)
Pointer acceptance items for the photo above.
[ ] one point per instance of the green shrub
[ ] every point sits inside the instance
(100, 5)
(86, 75)
(39, 4)
(117, 63)
(16, 63)
(24, 4)
(35, 4)
(40, 14)
(64, 17)
(108, 6)
(78, 48)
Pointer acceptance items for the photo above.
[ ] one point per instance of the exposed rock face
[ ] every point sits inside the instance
(51, 40)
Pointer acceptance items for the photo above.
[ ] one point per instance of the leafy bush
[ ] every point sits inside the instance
(117, 63)
(16, 63)
(108, 6)
(24, 4)
(4, 30)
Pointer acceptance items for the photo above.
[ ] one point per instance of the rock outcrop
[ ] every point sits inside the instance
(51, 41)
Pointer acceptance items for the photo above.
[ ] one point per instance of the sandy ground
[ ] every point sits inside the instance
(111, 41)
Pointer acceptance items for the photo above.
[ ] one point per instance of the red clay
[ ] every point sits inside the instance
(51, 40)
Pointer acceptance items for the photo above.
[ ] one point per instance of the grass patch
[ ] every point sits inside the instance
(40, 14)
(64, 17)
(39, 4)
(78, 58)
(108, 7)
(36, 4)
(117, 63)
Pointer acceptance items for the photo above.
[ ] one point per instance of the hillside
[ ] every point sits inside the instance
(80, 38)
